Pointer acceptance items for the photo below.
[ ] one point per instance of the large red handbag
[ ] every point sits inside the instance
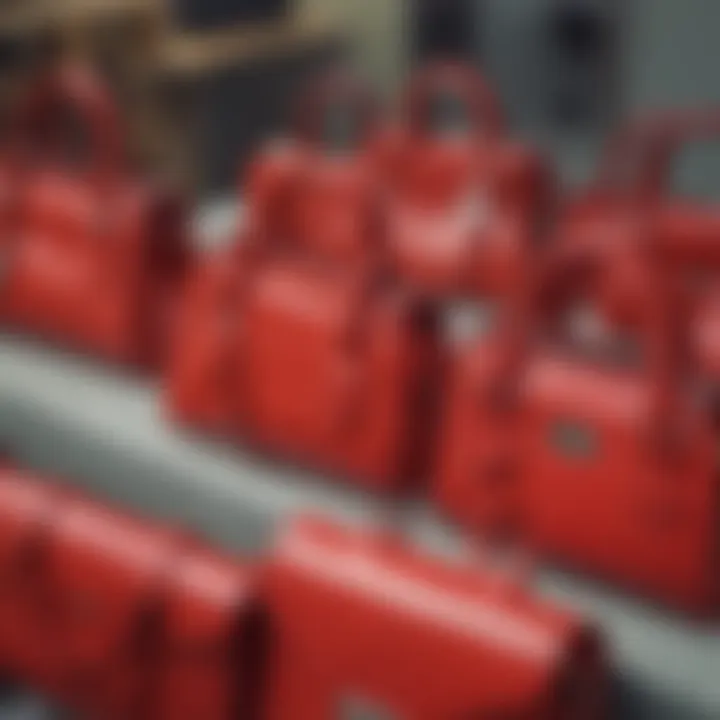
(91, 254)
(466, 204)
(632, 201)
(598, 452)
(113, 617)
(294, 341)
(365, 626)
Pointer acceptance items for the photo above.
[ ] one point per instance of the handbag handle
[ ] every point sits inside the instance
(649, 146)
(337, 101)
(334, 90)
(78, 88)
(465, 86)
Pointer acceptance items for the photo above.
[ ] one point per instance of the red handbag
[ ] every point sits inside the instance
(91, 255)
(606, 458)
(466, 204)
(292, 340)
(631, 201)
(320, 190)
(112, 617)
(367, 627)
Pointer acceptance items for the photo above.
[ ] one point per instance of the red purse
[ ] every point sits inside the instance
(606, 459)
(365, 626)
(466, 204)
(319, 191)
(293, 341)
(113, 617)
(631, 202)
(92, 256)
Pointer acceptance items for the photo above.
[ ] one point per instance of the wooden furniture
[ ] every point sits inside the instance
(163, 74)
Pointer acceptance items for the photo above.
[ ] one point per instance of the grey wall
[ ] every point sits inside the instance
(675, 52)
(670, 50)
(668, 55)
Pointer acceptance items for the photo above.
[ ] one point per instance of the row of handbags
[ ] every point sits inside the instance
(322, 333)
(113, 617)
(299, 337)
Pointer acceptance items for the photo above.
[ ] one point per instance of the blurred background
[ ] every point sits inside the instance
(203, 80)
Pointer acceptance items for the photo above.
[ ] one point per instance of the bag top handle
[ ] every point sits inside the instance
(78, 88)
(465, 88)
(336, 109)
(641, 154)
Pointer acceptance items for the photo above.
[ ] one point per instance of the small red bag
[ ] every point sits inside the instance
(112, 617)
(293, 341)
(320, 190)
(91, 256)
(466, 204)
(367, 627)
(606, 458)
(631, 201)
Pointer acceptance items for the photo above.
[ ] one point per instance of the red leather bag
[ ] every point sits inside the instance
(466, 203)
(320, 189)
(292, 340)
(367, 627)
(112, 617)
(91, 255)
(632, 201)
(603, 458)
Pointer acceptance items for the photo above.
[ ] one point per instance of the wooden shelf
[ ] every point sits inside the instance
(27, 17)
(177, 52)
(155, 66)
(187, 54)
